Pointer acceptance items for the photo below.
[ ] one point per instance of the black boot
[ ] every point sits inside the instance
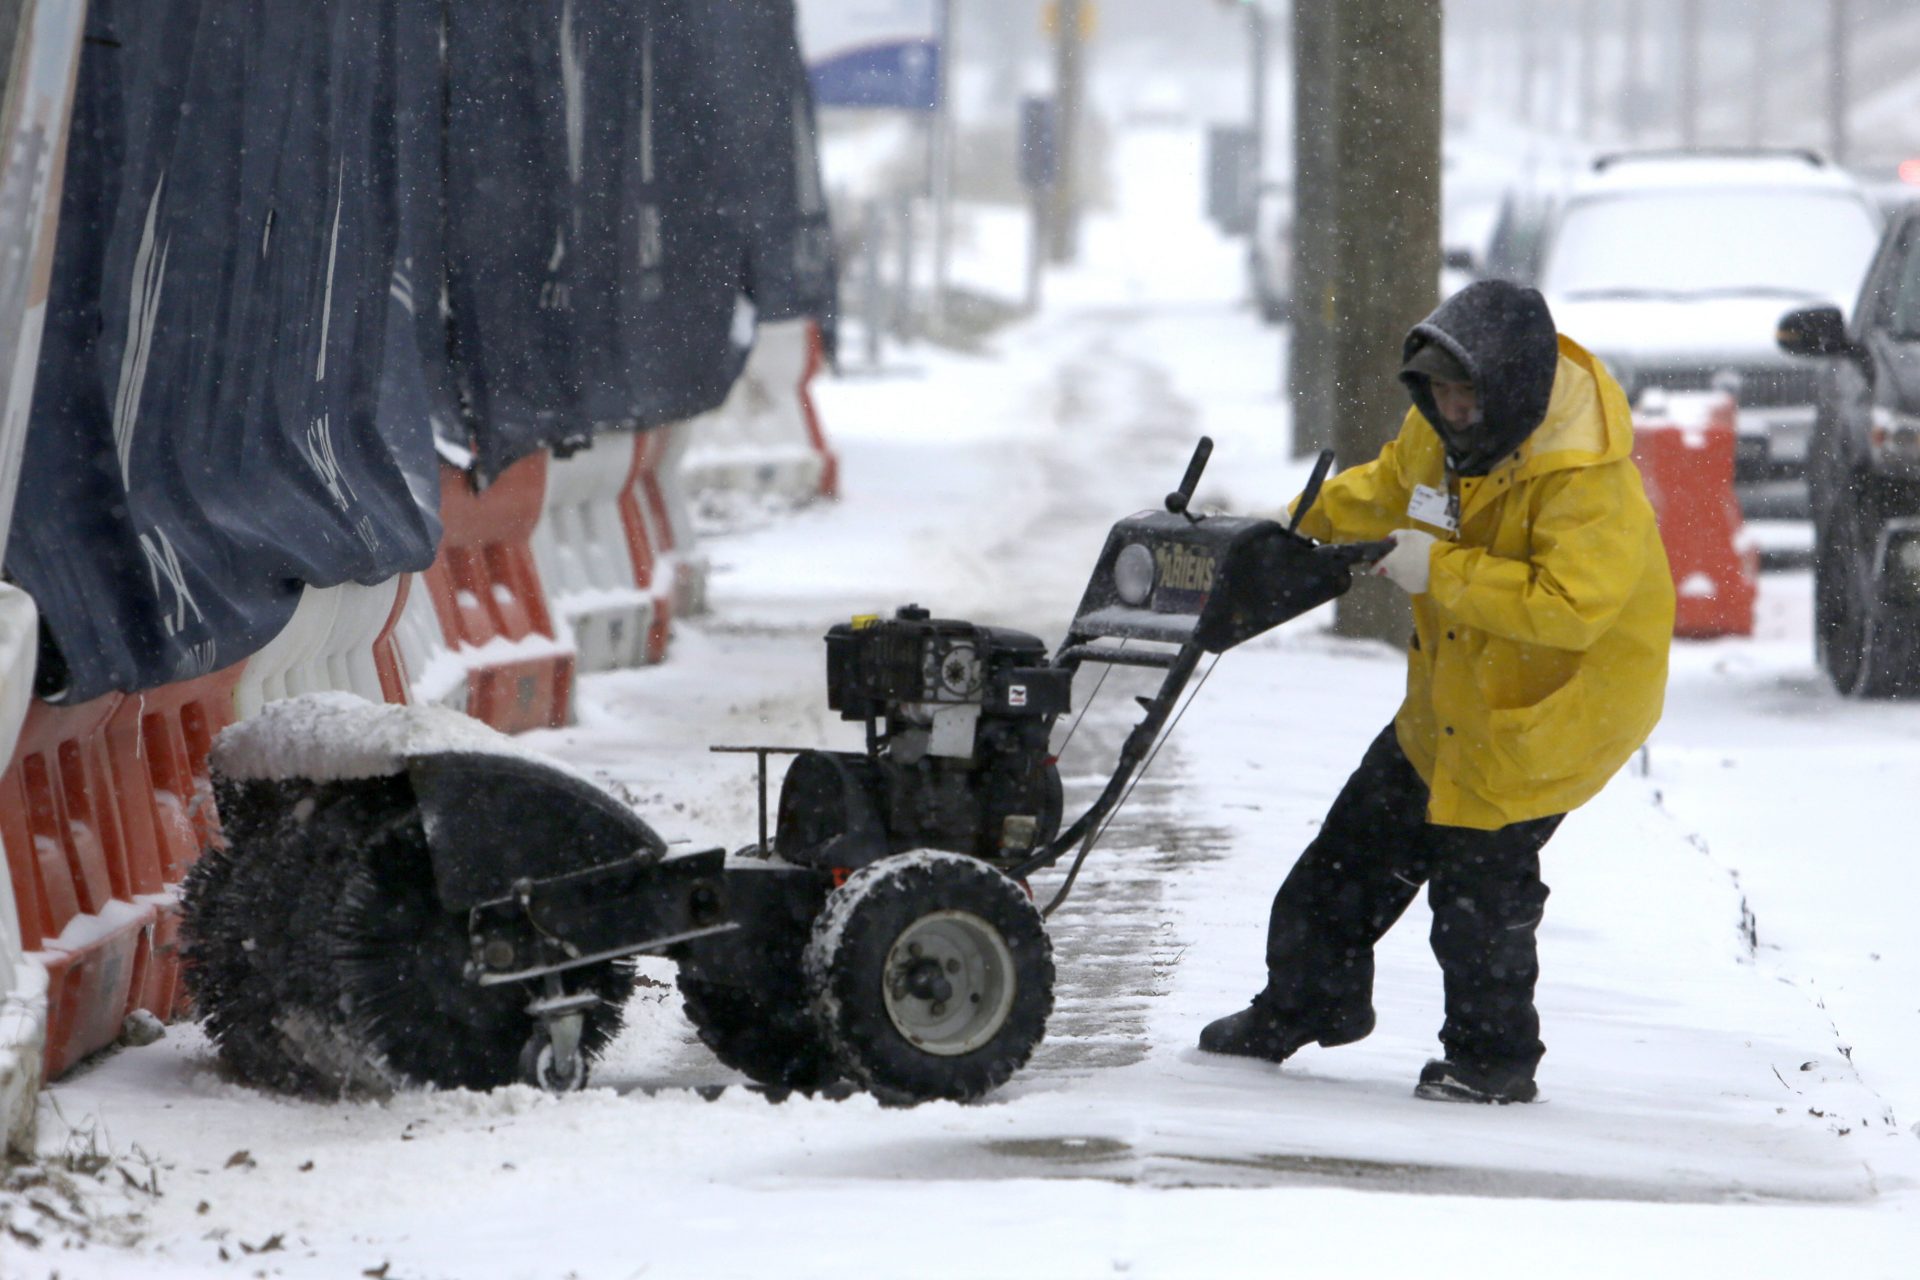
(1261, 1031)
(1442, 1080)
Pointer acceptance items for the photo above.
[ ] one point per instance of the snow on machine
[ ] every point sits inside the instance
(407, 898)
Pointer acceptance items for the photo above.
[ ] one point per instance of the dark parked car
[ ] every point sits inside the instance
(1864, 472)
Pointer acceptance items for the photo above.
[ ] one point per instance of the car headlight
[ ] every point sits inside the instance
(1893, 437)
(1133, 573)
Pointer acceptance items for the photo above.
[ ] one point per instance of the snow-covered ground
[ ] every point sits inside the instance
(1730, 987)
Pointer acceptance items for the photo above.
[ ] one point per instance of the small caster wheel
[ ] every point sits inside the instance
(542, 1067)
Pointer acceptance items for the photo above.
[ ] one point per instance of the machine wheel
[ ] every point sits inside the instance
(932, 977)
(537, 1065)
(400, 959)
(1869, 649)
(764, 1031)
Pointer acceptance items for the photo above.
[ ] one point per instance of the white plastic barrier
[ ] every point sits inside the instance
(330, 643)
(23, 984)
(598, 580)
(765, 442)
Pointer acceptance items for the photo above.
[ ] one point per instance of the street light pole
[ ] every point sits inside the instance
(1633, 73)
(1837, 80)
(1689, 73)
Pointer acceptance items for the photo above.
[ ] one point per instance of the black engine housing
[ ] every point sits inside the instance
(958, 720)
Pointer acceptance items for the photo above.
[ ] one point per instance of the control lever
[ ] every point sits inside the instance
(1321, 465)
(1177, 500)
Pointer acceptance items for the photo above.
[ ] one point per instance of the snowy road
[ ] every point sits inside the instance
(1711, 1106)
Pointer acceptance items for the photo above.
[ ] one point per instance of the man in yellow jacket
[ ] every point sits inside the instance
(1543, 612)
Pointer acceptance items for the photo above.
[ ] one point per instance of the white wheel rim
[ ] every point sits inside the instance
(949, 983)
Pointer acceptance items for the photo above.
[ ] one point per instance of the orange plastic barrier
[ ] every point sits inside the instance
(487, 595)
(102, 809)
(651, 540)
(388, 664)
(1685, 454)
(816, 434)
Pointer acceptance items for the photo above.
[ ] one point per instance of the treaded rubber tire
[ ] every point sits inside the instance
(854, 942)
(766, 1034)
(1870, 650)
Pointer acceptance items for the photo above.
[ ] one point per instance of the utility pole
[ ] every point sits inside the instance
(1526, 31)
(1386, 243)
(1315, 211)
(1587, 55)
(1257, 86)
(1689, 73)
(1069, 56)
(1633, 72)
(1837, 80)
(940, 157)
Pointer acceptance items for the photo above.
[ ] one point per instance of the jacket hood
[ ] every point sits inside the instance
(1503, 334)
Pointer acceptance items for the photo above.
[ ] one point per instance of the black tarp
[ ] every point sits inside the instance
(776, 170)
(205, 434)
(629, 184)
(301, 237)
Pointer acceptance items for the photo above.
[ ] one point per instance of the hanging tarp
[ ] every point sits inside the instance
(766, 107)
(299, 239)
(206, 433)
(628, 186)
(593, 267)
(417, 381)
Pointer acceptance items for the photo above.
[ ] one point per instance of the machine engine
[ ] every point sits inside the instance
(958, 718)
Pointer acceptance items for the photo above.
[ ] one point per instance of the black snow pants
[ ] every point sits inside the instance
(1373, 853)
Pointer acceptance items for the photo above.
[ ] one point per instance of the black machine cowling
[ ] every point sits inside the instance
(1218, 581)
(492, 820)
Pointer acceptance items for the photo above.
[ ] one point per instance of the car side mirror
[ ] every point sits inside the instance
(1458, 259)
(1815, 331)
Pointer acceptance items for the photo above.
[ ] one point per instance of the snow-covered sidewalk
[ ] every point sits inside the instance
(1711, 1106)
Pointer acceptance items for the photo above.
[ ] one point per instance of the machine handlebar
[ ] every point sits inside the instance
(1177, 500)
(1355, 554)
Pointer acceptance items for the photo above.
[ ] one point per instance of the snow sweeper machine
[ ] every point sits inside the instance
(405, 897)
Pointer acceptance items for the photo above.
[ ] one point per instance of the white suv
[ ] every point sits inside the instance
(1674, 268)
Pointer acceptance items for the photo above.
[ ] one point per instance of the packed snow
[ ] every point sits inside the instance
(337, 736)
(1729, 969)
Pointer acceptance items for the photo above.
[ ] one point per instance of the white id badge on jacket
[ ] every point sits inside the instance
(1431, 506)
